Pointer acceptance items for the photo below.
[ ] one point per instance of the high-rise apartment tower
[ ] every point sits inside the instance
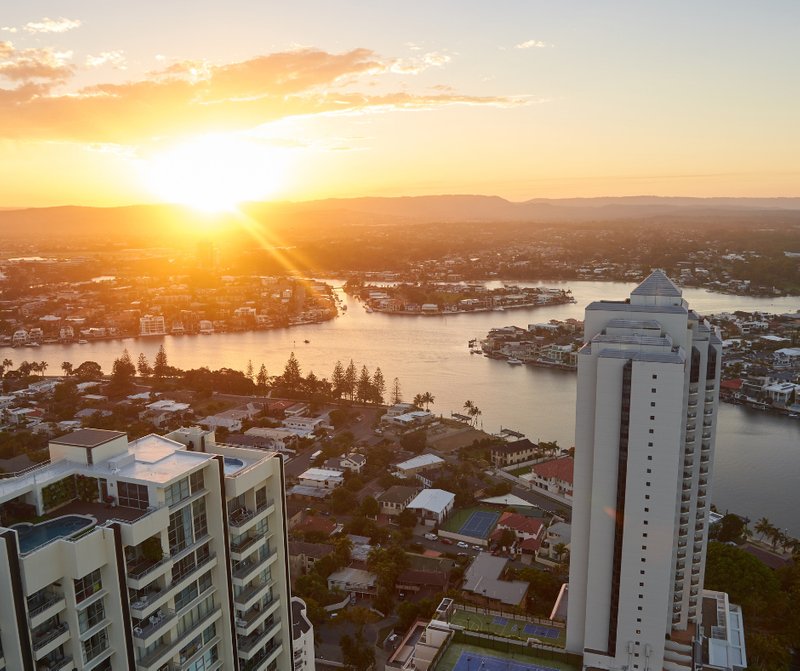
(164, 553)
(647, 398)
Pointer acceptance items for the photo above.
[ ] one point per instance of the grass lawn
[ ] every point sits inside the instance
(521, 470)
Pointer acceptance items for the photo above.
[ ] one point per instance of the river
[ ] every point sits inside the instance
(757, 456)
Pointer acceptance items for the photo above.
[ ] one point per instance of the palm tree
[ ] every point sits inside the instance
(475, 412)
(66, 366)
(468, 406)
(42, 367)
(427, 399)
(418, 400)
(763, 527)
(7, 363)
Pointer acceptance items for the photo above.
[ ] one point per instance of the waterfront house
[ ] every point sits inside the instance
(512, 453)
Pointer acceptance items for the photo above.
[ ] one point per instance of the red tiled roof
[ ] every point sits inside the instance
(735, 385)
(560, 469)
(520, 523)
(314, 523)
(530, 545)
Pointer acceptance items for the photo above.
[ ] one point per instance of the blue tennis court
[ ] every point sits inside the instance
(539, 630)
(469, 661)
(479, 524)
(500, 620)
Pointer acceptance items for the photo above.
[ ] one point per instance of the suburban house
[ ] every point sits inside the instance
(408, 420)
(556, 538)
(321, 478)
(432, 506)
(406, 469)
(553, 476)
(396, 499)
(483, 582)
(412, 580)
(351, 462)
(303, 556)
(280, 438)
(303, 426)
(512, 453)
(354, 581)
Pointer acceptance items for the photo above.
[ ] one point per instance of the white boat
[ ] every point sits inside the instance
(513, 362)
(82, 342)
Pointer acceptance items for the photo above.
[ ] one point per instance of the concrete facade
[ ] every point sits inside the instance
(647, 398)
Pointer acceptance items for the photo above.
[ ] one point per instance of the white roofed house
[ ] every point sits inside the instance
(786, 357)
(321, 478)
(303, 426)
(432, 506)
(405, 469)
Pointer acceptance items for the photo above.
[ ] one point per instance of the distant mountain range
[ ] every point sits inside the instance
(158, 220)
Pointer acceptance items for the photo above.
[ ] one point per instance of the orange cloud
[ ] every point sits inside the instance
(26, 64)
(191, 97)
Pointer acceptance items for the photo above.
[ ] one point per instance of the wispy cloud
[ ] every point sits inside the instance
(114, 58)
(532, 44)
(47, 25)
(189, 97)
(417, 64)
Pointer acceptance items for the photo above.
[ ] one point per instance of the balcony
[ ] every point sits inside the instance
(710, 386)
(44, 607)
(193, 569)
(692, 403)
(144, 601)
(261, 658)
(246, 598)
(243, 544)
(42, 639)
(684, 521)
(240, 517)
(58, 664)
(246, 622)
(143, 573)
(155, 625)
(246, 644)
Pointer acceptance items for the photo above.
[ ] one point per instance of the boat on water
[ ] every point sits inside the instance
(513, 361)
(306, 341)
(82, 342)
(368, 308)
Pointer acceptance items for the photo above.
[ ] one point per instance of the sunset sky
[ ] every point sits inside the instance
(107, 103)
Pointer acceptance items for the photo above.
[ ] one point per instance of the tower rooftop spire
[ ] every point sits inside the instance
(657, 284)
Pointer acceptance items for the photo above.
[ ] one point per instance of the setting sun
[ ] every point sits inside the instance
(214, 173)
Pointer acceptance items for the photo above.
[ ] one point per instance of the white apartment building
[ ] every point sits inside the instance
(647, 397)
(151, 325)
(165, 553)
(302, 636)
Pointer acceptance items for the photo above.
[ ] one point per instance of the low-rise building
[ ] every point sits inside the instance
(483, 580)
(351, 462)
(432, 506)
(303, 555)
(406, 469)
(303, 426)
(354, 581)
(321, 478)
(515, 452)
(396, 499)
(553, 476)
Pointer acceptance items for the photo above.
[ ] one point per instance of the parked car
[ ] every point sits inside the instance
(446, 541)
(477, 547)
(431, 537)
(462, 544)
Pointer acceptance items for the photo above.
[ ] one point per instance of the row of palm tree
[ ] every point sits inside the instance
(423, 399)
(24, 369)
(777, 537)
(473, 411)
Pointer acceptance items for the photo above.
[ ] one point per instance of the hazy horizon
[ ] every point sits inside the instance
(260, 102)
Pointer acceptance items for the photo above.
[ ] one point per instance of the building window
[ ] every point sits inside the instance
(131, 495)
(96, 645)
(650, 431)
(91, 616)
(644, 547)
(652, 404)
(196, 481)
(649, 470)
(649, 444)
(88, 585)
(655, 376)
(652, 417)
(649, 457)
(177, 492)
(653, 390)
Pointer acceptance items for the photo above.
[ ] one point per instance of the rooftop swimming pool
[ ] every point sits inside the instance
(33, 536)
(232, 465)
